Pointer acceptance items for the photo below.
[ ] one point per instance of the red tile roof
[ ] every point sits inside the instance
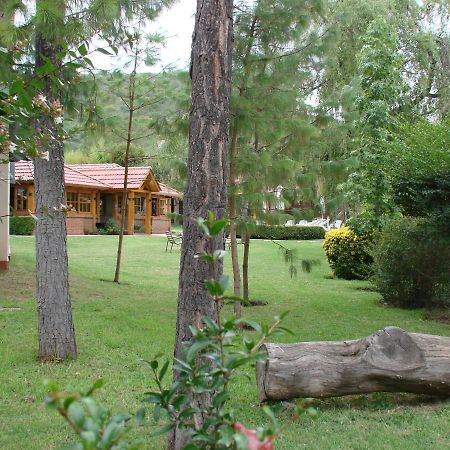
(99, 176)
(167, 191)
(113, 174)
(24, 171)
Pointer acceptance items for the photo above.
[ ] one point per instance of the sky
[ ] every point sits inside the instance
(177, 24)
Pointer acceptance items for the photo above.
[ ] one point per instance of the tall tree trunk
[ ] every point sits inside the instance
(232, 212)
(131, 98)
(232, 209)
(206, 187)
(55, 325)
(245, 265)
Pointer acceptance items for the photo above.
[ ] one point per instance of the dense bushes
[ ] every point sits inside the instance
(22, 225)
(110, 228)
(412, 264)
(349, 253)
(287, 233)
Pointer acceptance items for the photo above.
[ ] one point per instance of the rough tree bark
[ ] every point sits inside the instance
(206, 187)
(55, 325)
(390, 360)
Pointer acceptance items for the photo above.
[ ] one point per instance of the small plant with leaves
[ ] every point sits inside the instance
(210, 360)
(95, 426)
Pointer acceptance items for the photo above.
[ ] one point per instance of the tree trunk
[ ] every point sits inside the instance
(206, 187)
(390, 360)
(56, 330)
(131, 98)
(232, 211)
(245, 265)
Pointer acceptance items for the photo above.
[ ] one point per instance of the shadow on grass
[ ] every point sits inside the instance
(378, 401)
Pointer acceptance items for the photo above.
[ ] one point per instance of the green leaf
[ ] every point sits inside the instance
(111, 433)
(76, 413)
(163, 430)
(210, 323)
(157, 413)
(140, 416)
(241, 441)
(269, 413)
(187, 412)
(201, 223)
(89, 62)
(104, 51)
(221, 398)
(218, 226)
(255, 325)
(195, 348)
(163, 370)
(223, 281)
(89, 439)
(82, 50)
(215, 288)
(97, 385)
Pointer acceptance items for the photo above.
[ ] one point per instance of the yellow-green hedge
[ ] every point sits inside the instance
(348, 253)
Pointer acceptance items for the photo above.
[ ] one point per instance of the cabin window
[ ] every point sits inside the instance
(162, 207)
(72, 200)
(154, 207)
(85, 202)
(139, 205)
(21, 198)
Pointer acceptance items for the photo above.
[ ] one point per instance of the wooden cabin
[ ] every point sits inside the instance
(94, 192)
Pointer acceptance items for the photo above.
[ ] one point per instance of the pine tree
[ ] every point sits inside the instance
(271, 122)
(37, 100)
(206, 188)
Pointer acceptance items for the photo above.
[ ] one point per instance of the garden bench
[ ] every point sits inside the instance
(172, 240)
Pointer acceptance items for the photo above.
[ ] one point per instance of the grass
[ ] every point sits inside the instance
(117, 324)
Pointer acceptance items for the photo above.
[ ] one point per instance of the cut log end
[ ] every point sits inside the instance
(391, 360)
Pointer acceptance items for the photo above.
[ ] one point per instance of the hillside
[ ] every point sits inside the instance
(97, 121)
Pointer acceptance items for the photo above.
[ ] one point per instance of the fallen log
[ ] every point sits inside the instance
(390, 360)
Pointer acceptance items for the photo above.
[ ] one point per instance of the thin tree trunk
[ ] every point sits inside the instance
(206, 187)
(232, 211)
(245, 265)
(131, 98)
(55, 325)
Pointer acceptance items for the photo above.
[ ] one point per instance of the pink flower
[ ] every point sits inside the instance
(253, 442)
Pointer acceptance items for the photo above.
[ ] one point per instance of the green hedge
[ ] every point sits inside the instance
(22, 225)
(412, 264)
(287, 233)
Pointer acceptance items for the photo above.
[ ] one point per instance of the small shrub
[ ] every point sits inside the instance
(287, 233)
(22, 225)
(110, 228)
(349, 253)
(412, 264)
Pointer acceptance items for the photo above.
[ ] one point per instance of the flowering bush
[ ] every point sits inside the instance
(349, 253)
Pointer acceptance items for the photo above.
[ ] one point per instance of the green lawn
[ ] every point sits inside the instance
(117, 324)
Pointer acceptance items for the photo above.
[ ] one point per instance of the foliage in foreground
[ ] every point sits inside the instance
(209, 362)
(349, 253)
(412, 264)
(94, 425)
